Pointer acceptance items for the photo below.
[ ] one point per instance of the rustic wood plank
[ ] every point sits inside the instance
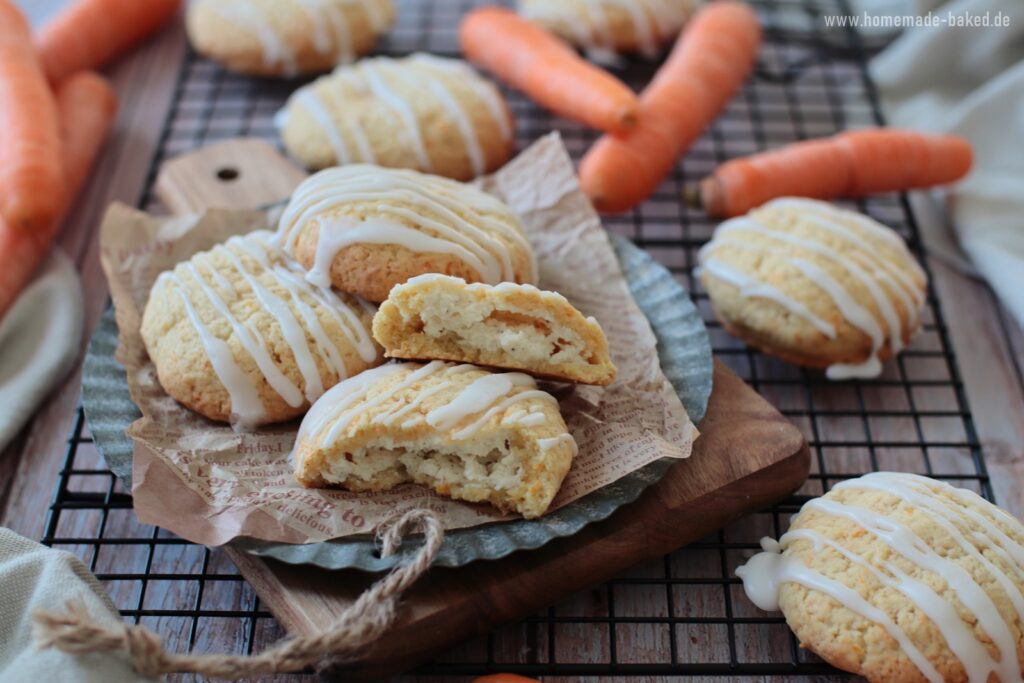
(990, 367)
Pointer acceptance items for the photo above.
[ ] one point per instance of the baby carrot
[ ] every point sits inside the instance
(527, 57)
(852, 164)
(31, 180)
(86, 105)
(90, 33)
(709, 62)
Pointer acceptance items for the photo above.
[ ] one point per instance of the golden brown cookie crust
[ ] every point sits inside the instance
(782, 246)
(510, 452)
(515, 327)
(461, 220)
(452, 122)
(972, 558)
(284, 37)
(183, 364)
(623, 26)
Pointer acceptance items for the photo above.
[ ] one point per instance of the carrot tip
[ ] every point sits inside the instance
(692, 196)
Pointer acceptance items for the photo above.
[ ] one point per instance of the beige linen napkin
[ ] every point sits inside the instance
(40, 337)
(33, 577)
(968, 81)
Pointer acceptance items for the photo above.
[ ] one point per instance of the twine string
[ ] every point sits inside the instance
(75, 632)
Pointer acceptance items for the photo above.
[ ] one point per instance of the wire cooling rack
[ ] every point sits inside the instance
(683, 615)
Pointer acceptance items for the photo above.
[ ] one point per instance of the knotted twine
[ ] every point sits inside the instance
(75, 632)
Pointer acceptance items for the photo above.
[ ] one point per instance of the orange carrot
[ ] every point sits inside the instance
(86, 104)
(31, 180)
(709, 62)
(853, 164)
(527, 57)
(91, 33)
(504, 678)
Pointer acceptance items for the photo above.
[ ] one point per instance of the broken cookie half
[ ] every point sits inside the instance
(466, 432)
(512, 326)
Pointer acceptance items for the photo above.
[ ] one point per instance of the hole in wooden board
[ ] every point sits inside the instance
(227, 174)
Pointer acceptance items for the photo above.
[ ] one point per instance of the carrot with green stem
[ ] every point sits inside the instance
(708, 64)
(528, 58)
(91, 33)
(86, 105)
(31, 179)
(851, 164)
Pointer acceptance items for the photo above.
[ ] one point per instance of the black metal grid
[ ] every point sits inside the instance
(684, 614)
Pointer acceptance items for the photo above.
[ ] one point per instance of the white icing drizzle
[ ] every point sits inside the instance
(764, 573)
(331, 31)
(548, 444)
(310, 100)
(751, 287)
(435, 79)
(488, 394)
(878, 294)
(340, 398)
(276, 52)
(371, 70)
(475, 426)
(480, 394)
(648, 19)
(421, 197)
(879, 276)
(469, 78)
(246, 407)
(244, 396)
(455, 111)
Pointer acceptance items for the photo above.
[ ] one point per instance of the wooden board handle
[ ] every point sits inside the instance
(245, 173)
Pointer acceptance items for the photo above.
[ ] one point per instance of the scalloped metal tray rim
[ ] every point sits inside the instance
(685, 353)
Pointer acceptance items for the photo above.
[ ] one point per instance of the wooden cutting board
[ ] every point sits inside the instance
(747, 457)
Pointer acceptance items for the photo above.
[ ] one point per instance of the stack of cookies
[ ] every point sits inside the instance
(268, 327)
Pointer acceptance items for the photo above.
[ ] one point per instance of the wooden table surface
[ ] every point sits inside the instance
(989, 345)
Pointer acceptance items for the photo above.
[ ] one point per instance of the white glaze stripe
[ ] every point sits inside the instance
(961, 640)
(908, 544)
(751, 287)
(275, 50)
(548, 444)
(403, 199)
(475, 426)
(293, 333)
(371, 70)
(246, 405)
(882, 301)
(765, 572)
(475, 398)
(310, 100)
(468, 78)
(488, 394)
(252, 342)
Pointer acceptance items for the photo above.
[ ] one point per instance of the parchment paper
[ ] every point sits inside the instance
(210, 484)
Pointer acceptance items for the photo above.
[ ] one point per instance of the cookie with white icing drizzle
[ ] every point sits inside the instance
(815, 285)
(516, 327)
(898, 577)
(365, 229)
(602, 27)
(286, 37)
(238, 335)
(428, 113)
(463, 431)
